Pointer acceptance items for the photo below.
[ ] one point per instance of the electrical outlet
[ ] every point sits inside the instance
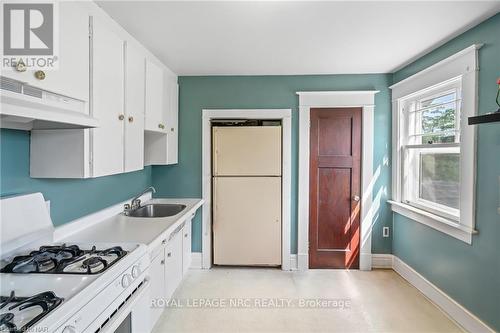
(385, 231)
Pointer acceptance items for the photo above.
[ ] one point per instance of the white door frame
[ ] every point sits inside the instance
(336, 99)
(285, 115)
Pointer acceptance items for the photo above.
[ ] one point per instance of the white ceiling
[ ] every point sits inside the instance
(292, 37)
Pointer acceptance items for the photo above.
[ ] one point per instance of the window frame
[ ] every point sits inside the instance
(461, 66)
(411, 180)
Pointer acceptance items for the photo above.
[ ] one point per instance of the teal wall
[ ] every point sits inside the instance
(268, 92)
(469, 274)
(69, 198)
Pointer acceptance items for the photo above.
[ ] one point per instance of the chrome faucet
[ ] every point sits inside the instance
(136, 202)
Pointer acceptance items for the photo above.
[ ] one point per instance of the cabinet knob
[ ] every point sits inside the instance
(171, 129)
(185, 235)
(20, 66)
(169, 254)
(40, 75)
(162, 262)
(161, 126)
(130, 119)
(121, 117)
(356, 198)
(164, 241)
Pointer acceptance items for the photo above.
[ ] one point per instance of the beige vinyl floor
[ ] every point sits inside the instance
(271, 300)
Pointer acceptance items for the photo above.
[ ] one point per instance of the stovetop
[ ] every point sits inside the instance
(65, 259)
(19, 314)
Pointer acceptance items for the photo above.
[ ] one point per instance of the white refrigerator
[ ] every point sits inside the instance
(247, 196)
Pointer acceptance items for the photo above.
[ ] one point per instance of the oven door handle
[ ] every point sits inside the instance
(118, 318)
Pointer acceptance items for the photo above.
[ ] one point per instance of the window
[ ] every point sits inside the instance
(433, 150)
(430, 134)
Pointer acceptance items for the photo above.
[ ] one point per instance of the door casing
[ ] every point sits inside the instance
(333, 99)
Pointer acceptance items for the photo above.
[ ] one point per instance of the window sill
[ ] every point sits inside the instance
(436, 222)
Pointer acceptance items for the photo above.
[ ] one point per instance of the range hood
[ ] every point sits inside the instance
(25, 107)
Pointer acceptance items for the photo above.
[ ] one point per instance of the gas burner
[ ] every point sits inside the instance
(18, 314)
(6, 321)
(93, 264)
(65, 259)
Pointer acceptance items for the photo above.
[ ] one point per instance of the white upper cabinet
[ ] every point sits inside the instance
(161, 148)
(155, 115)
(172, 121)
(134, 108)
(70, 78)
(107, 77)
(131, 94)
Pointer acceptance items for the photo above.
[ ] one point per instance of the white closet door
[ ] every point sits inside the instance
(248, 151)
(247, 221)
(134, 108)
(107, 103)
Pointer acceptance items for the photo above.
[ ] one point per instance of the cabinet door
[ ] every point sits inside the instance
(71, 76)
(134, 108)
(157, 276)
(186, 246)
(154, 98)
(173, 265)
(107, 100)
(172, 122)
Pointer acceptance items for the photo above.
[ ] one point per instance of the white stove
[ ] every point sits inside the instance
(57, 287)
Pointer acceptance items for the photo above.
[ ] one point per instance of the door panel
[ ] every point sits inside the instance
(333, 214)
(134, 109)
(335, 171)
(107, 102)
(249, 151)
(247, 221)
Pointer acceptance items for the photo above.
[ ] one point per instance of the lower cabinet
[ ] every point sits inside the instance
(173, 264)
(157, 291)
(170, 261)
(186, 246)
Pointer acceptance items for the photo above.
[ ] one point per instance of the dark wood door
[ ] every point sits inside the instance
(334, 188)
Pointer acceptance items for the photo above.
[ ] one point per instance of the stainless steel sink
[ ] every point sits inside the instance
(157, 210)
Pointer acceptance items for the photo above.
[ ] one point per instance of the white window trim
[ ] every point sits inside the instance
(463, 64)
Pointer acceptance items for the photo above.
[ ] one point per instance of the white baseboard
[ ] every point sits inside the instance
(196, 259)
(365, 262)
(384, 261)
(293, 262)
(453, 309)
(302, 262)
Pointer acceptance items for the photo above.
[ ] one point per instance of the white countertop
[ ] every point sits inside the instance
(124, 229)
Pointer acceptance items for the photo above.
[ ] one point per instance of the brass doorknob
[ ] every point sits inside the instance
(121, 117)
(356, 198)
(130, 119)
